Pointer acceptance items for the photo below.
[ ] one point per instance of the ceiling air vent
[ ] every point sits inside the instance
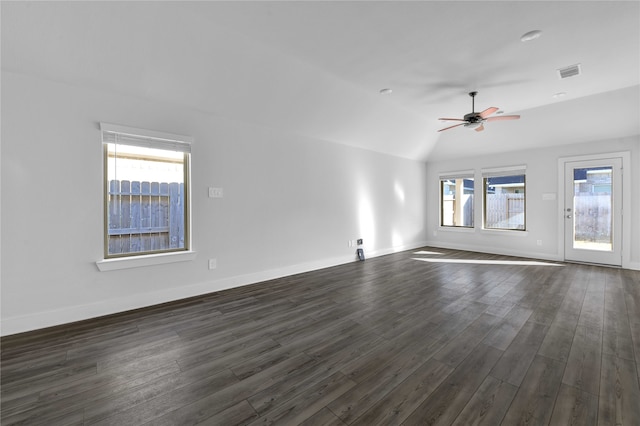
(570, 71)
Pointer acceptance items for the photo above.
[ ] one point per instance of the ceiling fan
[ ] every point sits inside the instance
(476, 120)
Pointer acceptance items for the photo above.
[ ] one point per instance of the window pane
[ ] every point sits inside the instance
(146, 199)
(504, 202)
(457, 202)
(592, 202)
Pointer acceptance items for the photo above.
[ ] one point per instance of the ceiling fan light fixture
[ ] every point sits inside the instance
(531, 35)
(475, 120)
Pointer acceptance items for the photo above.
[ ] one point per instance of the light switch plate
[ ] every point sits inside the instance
(215, 192)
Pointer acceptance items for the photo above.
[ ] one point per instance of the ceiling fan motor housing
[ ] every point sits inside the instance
(473, 117)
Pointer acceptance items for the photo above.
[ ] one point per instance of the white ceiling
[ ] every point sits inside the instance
(316, 68)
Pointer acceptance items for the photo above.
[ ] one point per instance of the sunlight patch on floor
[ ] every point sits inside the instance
(489, 262)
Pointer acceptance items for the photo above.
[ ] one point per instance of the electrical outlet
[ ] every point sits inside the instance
(213, 263)
(539, 242)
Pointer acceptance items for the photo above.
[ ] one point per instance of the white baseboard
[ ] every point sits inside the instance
(39, 320)
(494, 250)
(532, 255)
(20, 324)
(397, 249)
(632, 265)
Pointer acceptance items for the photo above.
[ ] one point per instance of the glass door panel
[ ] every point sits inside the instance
(593, 213)
(592, 202)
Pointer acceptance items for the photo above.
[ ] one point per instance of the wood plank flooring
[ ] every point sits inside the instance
(405, 339)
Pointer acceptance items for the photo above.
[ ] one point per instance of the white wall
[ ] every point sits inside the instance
(542, 215)
(290, 204)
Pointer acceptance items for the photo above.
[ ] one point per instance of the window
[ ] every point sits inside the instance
(456, 200)
(505, 198)
(146, 178)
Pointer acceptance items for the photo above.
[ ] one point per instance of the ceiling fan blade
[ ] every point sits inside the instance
(480, 128)
(487, 112)
(451, 127)
(503, 117)
(452, 119)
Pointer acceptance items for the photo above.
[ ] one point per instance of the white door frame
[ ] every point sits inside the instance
(626, 199)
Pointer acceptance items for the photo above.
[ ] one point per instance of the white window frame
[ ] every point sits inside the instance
(464, 174)
(153, 139)
(500, 172)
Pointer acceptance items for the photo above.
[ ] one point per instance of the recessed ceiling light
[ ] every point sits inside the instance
(531, 35)
(559, 95)
(385, 91)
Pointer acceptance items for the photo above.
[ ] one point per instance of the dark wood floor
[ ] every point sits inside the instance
(392, 340)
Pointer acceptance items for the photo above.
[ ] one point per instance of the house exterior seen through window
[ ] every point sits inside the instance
(146, 194)
(456, 201)
(504, 202)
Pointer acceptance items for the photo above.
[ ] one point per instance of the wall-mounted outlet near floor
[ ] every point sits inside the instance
(539, 242)
(435, 233)
(213, 263)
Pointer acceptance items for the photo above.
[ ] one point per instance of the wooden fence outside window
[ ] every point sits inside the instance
(145, 216)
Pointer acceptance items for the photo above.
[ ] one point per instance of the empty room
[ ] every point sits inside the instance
(320, 213)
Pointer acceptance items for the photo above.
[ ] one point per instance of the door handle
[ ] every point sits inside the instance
(568, 216)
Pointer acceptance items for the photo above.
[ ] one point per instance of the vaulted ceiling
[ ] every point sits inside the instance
(317, 68)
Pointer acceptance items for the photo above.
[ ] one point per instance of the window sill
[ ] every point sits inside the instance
(144, 260)
(509, 232)
(456, 229)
